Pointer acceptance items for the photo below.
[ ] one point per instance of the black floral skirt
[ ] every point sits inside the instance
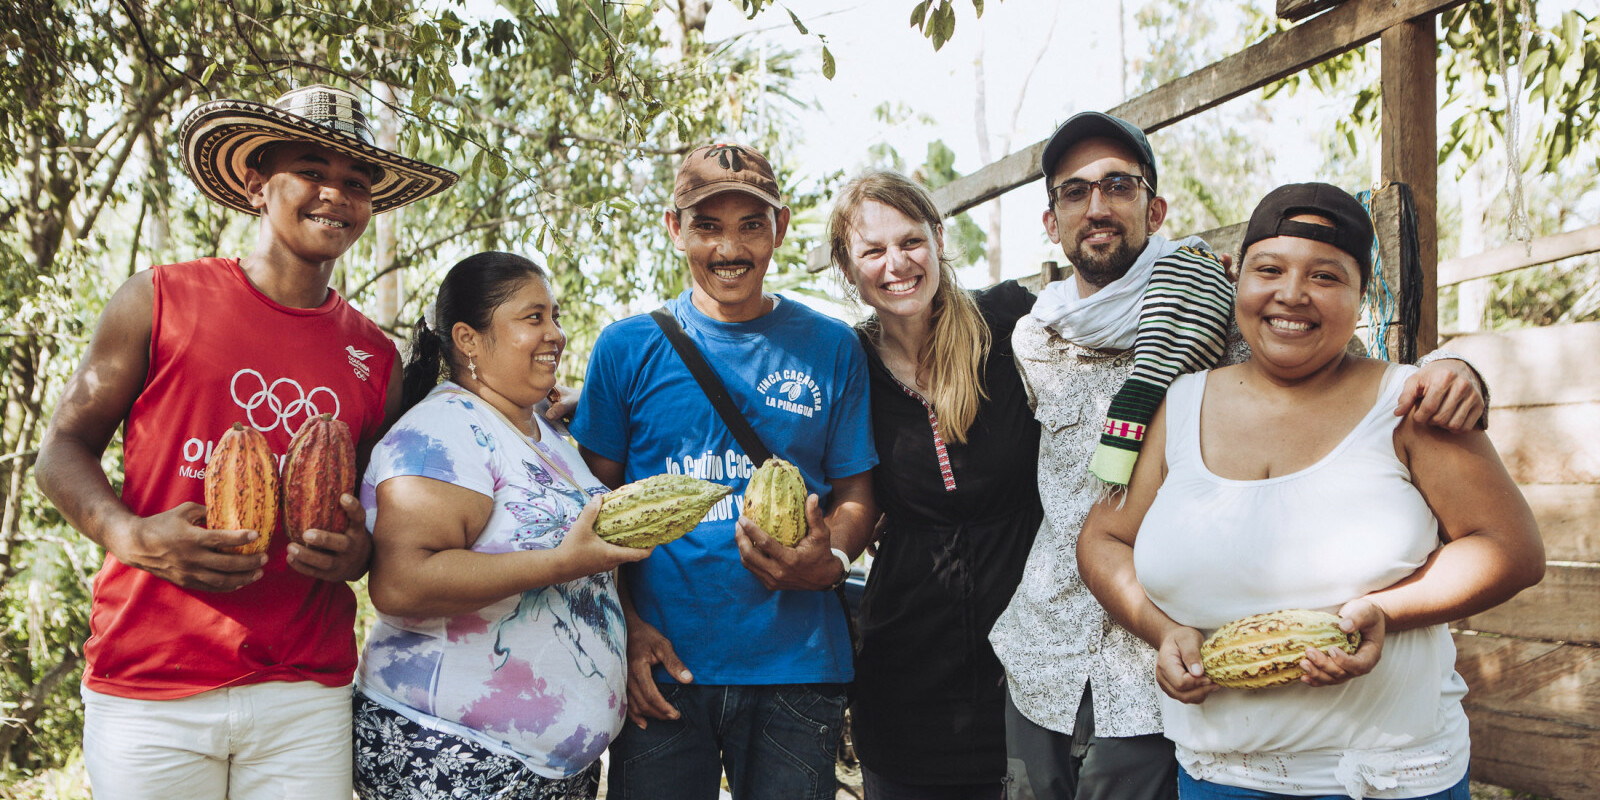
(397, 759)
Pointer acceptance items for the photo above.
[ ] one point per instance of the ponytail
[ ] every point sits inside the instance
(424, 361)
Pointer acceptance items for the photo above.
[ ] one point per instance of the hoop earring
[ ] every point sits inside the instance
(472, 366)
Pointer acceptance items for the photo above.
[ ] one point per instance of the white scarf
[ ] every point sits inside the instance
(1109, 318)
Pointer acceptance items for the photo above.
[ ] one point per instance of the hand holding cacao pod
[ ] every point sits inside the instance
(1178, 671)
(1266, 649)
(335, 555)
(588, 554)
(1332, 666)
(176, 546)
(809, 565)
(241, 486)
(656, 510)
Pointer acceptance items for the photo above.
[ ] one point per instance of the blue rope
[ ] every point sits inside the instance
(1380, 300)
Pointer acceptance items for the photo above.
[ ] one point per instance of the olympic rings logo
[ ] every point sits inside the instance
(285, 400)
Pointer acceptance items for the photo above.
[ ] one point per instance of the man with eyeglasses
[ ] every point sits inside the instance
(1096, 354)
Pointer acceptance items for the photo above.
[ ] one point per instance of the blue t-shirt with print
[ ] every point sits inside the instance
(800, 378)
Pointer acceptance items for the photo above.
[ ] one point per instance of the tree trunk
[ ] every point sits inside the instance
(991, 250)
(386, 310)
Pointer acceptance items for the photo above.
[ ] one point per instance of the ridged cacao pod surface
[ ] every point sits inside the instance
(1265, 649)
(242, 486)
(776, 501)
(320, 466)
(655, 510)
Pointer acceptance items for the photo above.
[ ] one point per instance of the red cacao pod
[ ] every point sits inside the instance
(242, 486)
(320, 466)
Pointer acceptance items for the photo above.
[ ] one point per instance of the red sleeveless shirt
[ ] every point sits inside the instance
(222, 352)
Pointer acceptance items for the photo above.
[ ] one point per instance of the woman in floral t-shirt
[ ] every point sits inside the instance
(496, 666)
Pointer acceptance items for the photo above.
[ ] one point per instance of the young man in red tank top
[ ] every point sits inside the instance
(213, 674)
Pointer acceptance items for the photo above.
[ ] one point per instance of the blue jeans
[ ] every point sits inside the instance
(773, 741)
(1191, 789)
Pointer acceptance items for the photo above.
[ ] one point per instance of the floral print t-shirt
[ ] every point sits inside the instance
(539, 675)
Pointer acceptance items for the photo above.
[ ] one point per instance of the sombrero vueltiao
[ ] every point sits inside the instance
(224, 137)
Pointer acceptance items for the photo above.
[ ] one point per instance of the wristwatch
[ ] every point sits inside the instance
(844, 561)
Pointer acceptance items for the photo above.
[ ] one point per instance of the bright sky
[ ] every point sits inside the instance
(881, 59)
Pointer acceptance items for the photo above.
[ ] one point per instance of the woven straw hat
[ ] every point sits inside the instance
(223, 138)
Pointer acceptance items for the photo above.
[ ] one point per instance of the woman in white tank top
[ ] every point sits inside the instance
(1287, 482)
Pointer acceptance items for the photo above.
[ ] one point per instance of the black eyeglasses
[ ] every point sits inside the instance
(1117, 189)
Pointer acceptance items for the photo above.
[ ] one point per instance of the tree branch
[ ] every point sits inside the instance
(152, 102)
(32, 704)
(620, 145)
(151, 56)
(1022, 92)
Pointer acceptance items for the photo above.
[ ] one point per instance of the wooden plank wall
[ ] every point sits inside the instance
(1533, 664)
(1543, 250)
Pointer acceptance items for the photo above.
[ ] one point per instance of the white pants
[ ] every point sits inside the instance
(265, 741)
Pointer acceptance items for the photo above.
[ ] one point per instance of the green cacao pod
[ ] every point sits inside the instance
(656, 510)
(775, 500)
(1265, 649)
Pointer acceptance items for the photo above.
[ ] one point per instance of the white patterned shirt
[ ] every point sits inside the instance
(1054, 637)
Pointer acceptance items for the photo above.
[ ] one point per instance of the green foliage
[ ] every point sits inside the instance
(46, 618)
(1480, 45)
(966, 239)
(1560, 70)
(937, 20)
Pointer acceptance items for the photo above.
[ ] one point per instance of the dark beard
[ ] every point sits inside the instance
(1101, 270)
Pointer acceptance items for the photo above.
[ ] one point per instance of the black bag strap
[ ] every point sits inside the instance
(712, 386)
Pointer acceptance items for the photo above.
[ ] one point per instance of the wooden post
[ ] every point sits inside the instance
(1411, 146)
(1049, 272)
(1386, 212)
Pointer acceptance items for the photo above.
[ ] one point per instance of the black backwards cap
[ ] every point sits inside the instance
(1351, 230)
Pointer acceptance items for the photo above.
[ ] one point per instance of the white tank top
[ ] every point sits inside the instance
(1212, 550)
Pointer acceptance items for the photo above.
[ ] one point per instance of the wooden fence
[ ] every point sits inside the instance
(1533, 664)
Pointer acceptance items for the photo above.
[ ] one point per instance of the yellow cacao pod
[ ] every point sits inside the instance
(242, 486)
(320, 466)
(655, 510)
(1265, 649)
(775, 500)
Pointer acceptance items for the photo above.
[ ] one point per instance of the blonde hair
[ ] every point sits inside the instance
(952, 358)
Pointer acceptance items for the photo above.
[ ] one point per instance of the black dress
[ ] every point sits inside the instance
(928, 703)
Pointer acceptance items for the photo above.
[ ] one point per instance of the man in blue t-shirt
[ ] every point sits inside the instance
(738, 655)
